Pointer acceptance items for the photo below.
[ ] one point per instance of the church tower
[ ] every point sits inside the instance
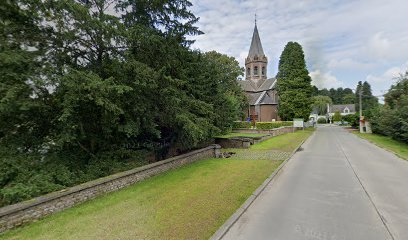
(256, 62)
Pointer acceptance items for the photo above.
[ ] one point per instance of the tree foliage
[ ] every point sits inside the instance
(392, 118)
(338, 96)
(294, 84)
(88, 85)
(320, 104)
(369, 101)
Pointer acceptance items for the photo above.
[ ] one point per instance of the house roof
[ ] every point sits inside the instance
(342, 107)
(256, 46)
(249, 86)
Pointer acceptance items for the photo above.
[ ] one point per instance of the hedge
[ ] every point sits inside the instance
(239, 124)
(261, 125)
(272, 125)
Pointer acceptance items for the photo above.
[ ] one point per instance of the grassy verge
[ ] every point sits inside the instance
(399, 148)
(285, 143)
(230, 135)
(187, 203)
(191, 202)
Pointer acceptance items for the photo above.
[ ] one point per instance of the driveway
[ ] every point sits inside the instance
(338, 187)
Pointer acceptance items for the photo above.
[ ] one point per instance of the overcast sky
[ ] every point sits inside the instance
(344, 41)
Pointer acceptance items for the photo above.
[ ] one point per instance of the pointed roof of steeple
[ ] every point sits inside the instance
(256, 46)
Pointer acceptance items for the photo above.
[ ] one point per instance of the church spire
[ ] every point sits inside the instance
(256, 62)
(256, 46)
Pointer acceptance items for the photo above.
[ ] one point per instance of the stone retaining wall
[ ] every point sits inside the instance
(28, 211)
(245, 142)
(273, 132)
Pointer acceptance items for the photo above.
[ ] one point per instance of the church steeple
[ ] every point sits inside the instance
(256, 45)
(256, 62)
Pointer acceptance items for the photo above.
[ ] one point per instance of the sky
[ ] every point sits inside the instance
(345, 41)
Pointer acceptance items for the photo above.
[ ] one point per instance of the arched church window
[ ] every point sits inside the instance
(263, 71)
(256, 70)
(248, 71)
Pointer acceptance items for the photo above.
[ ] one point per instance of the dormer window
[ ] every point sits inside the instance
(256, 70)
(263, 71)
(248, 71)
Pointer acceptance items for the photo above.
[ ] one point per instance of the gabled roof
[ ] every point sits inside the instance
(253, 97)
(256, 46)
(342, 107)
(248, 86)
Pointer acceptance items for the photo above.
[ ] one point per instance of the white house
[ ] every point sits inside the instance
(343, 109)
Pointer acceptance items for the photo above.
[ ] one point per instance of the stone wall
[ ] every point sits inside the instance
(245, 142)
(234, 142)
(273, 132)
(28, 211)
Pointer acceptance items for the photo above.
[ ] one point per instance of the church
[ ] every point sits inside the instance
(259, 89)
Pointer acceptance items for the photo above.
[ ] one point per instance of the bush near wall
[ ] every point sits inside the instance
(321, 120)
(241, 124)
(272, 125)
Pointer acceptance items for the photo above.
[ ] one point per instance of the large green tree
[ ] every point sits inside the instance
(24, 98)
(294, 84)
(368, 100)
(320, 104)
(391, 119)
(85, 90)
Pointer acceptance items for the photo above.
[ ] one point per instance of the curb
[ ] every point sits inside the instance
(220, 233)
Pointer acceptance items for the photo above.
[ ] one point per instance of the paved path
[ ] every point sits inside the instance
(338, 187)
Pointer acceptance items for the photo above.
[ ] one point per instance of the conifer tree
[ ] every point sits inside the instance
(294, 84)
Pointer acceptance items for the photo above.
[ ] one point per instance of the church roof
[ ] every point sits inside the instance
(248, 86)
(256, 46)
(259, 98)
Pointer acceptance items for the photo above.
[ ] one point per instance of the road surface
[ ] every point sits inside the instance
(338, 187)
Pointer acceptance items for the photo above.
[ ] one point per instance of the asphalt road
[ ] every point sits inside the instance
(338, 187)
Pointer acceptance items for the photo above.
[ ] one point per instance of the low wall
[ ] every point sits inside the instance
(28, 211)
(234, 142)
(273, 132)
(245, 142)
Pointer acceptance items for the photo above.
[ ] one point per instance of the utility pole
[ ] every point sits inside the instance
(361, 109)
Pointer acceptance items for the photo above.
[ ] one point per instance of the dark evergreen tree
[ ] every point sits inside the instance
(368, 100)
(85, 92)
(24, 98)
(294, 84)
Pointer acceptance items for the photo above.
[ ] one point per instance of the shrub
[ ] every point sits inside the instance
(337, 117)
(27, 175)
(352, 119)
(241, 124)
(321, 120)
(272, 125)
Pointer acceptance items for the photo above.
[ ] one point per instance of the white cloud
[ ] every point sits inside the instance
(390, 75)
(348, 64)
(324, 80)
(349, 40)
(382, 82)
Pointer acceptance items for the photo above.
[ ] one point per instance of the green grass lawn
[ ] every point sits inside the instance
(399, 148)
(285, 143)
(230, 135)
(191, 202)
